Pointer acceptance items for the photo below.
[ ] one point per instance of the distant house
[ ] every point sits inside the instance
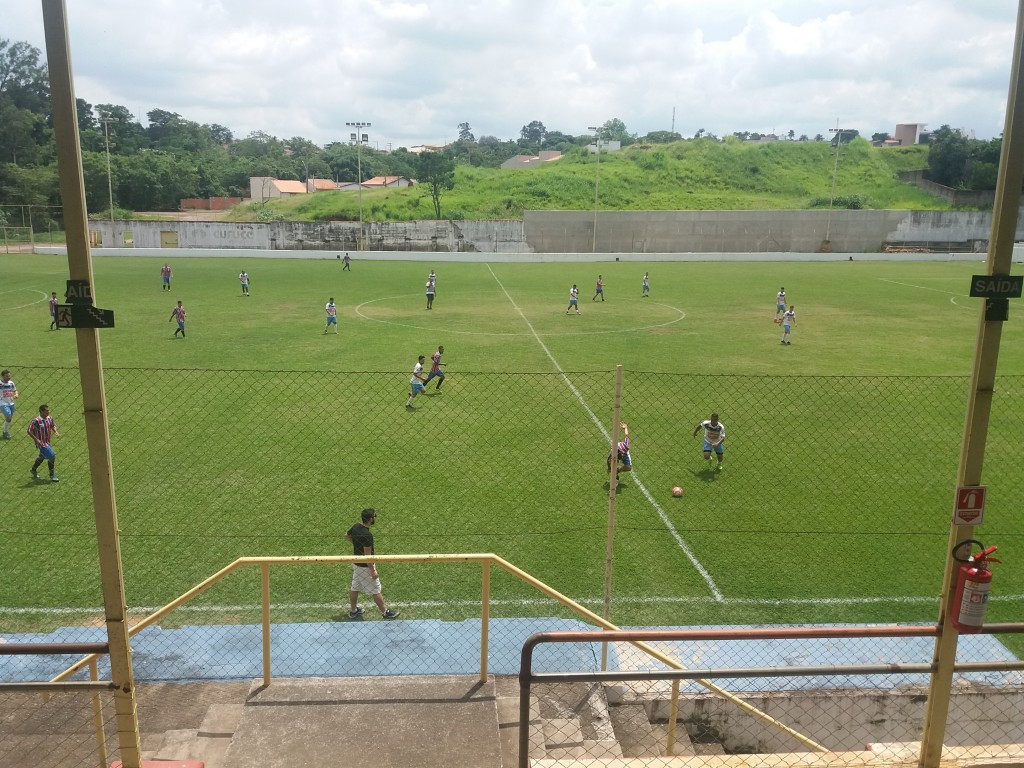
(911, 133)
(380, 182)
(420, 148)
(320, 185)
(607, 145)
(267, 187)
(530, 161)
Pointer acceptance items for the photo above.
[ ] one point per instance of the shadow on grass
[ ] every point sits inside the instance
(707, 474)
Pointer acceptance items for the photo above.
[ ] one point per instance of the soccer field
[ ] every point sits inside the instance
(259, 435)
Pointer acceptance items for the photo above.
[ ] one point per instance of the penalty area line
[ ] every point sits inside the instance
(680, 541)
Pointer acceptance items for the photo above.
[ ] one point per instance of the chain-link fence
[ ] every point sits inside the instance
(824, 481)
(837, 696)
(71, 728)
(832, 505)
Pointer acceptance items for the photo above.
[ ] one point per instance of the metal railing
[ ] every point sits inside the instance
(641, 638)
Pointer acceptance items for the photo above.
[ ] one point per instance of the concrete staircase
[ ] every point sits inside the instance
(208, 744)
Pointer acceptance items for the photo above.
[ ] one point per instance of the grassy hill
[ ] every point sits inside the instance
(686, 175)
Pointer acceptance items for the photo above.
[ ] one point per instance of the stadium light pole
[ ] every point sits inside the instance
(835, 171)
(597, 180)
(110, 184)
(359, 138)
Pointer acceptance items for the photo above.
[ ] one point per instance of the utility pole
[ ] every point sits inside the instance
(110, 184)
(597, 180)
(359, 138)
(835, 170)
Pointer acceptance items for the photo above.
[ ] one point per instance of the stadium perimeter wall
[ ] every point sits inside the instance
(568, 232)
(516, 258)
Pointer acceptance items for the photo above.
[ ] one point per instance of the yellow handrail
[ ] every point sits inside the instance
(484, 558)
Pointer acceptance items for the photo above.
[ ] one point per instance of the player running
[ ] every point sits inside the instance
(435, 369)
(8, 394)
(417, 383)
(243, 278)
(599, 288)
(780, 303)
(332, 315)
(646, 287)
(178, 313)
(714, 438)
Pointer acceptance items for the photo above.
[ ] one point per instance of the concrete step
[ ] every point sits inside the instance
(633, 731)
(358, 722)
(507, 691)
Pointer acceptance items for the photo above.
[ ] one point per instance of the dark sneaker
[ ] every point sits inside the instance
(390, 614)
(35, 474)
(356, 614)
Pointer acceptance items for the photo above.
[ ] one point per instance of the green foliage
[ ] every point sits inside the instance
(436, 171)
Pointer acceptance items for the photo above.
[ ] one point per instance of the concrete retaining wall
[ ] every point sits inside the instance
(847, 720)
(429, 257)
(569, 232)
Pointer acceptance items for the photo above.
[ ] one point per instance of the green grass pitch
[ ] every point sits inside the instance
(258, 435)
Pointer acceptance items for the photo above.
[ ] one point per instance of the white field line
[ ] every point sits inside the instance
(22, 306)
(953, 295)
(608, 438)
(530, 602)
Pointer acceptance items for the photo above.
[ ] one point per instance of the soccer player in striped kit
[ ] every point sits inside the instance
(178, 313)
(40, 429)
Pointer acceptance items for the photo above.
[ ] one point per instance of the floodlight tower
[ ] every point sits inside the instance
(359, 138)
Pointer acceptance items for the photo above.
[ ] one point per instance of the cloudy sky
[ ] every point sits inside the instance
(418, 68)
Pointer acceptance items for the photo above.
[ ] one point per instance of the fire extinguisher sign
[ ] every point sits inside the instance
(969, 508)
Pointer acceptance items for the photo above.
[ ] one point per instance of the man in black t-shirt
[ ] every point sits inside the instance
(364, 575)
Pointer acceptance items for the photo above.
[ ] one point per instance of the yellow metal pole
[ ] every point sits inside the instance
(485, 618)
(613, 484)
(97, 718)
(1005, 213)
(673, 714)
(265, 598)
(72, 189)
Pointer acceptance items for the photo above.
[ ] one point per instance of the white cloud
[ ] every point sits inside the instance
(418, 69)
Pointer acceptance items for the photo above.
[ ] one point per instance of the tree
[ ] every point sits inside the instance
(662, 137)
(533, 134)
(437, 170)
(465, 132)
(615, 130)
(23, 80)
(948, 156)
(845, 136)
(879, 137)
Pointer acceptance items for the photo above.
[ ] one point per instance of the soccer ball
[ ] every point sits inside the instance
(677, 491)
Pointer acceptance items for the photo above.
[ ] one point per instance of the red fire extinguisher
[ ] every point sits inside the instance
(973, 579)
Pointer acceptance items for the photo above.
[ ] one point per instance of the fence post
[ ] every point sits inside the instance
(613, 483)
(976, 420)
(97, 717)
(265, 600)
(90, 363)
(485, 618)
(673, 715)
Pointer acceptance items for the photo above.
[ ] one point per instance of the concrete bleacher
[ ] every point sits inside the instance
(381, 693)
